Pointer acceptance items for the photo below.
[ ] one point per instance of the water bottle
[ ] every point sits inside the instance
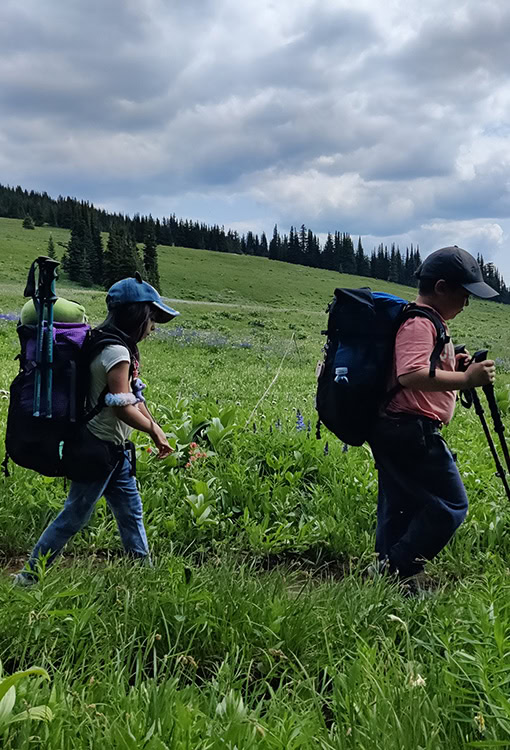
(341, 375)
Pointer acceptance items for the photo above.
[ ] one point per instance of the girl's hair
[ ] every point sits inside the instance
(132, 318)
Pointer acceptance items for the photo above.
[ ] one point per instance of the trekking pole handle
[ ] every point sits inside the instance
(465, 396)
(480, 355)
(461, 349)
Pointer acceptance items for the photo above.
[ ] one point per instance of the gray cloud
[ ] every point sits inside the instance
(385, 121)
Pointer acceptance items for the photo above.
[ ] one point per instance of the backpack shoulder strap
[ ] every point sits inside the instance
(98, 341)
(442, 338)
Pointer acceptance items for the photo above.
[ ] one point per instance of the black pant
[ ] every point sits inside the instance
(421, 500)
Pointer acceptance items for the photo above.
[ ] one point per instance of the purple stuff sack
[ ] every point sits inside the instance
(36, 443)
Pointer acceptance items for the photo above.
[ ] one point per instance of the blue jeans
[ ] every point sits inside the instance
(422, 500)
(123, 498)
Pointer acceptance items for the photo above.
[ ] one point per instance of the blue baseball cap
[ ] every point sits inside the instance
(127, 291)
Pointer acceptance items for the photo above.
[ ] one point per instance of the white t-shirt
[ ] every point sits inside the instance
(106, 425)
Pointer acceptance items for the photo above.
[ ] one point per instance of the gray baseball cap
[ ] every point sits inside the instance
(130, 290)
(456, 265)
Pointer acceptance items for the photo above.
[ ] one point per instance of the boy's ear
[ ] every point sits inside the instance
(441, 286)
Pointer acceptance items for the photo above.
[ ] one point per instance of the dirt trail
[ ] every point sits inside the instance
(76, 293)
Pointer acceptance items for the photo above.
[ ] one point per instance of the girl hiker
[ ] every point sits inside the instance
(115, 395)
(421, 498)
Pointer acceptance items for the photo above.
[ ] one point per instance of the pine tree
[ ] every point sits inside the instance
(302, 243)
(274, 245)
(97, 252)
(362, 262)
(263, 245)
(112, 266)
(393, 269)
(347, 260)
(150, 256)
(51, 248)
(131, 262)
(328, 254)
(313, 255)
(250, 244)
(75, 261)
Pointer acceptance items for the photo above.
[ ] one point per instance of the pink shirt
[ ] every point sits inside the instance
(413, 346)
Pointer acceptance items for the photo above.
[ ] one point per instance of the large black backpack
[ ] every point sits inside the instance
(358, 354)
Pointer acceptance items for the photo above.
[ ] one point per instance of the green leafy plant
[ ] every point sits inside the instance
(8, 699)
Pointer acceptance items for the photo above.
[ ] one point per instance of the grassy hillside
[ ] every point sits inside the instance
(253, 297)
(257, 626)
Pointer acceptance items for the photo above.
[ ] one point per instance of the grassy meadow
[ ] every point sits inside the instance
(257, 625)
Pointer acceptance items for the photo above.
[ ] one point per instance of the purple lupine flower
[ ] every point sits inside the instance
(345, 448)
(300, 422)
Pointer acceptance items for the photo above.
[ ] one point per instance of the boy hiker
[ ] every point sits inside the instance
(422, 500)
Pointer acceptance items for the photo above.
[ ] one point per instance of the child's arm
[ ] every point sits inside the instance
(479, 373)
(118, 382)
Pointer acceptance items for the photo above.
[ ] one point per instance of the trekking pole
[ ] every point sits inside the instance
(481, 356)
(44, 299)
(499, 427)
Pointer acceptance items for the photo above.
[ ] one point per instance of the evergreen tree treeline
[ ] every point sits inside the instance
(87, 262)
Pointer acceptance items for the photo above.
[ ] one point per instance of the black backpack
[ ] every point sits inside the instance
(358, 355)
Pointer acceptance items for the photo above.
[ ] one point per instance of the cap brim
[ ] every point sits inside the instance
(164, 313)
(481, 289)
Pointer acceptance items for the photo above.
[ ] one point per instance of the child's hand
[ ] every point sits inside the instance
(160, 441)
(462, 360)
(481, 373)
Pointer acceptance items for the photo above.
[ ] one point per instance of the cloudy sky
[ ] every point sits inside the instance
(386, 120)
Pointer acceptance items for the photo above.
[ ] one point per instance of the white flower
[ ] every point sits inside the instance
(416, 680)
(394, 618)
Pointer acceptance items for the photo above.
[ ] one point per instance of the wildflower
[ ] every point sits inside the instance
(149, 449)
(416, 680)
(345, 448)
(278, 424)
(187, 660)
(188, 465)
(277, 654)
(480, 722)
(193, 445)
(300, 422)
(394, 618)
(193, 458)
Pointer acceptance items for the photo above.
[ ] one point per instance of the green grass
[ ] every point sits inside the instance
(257, 625)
